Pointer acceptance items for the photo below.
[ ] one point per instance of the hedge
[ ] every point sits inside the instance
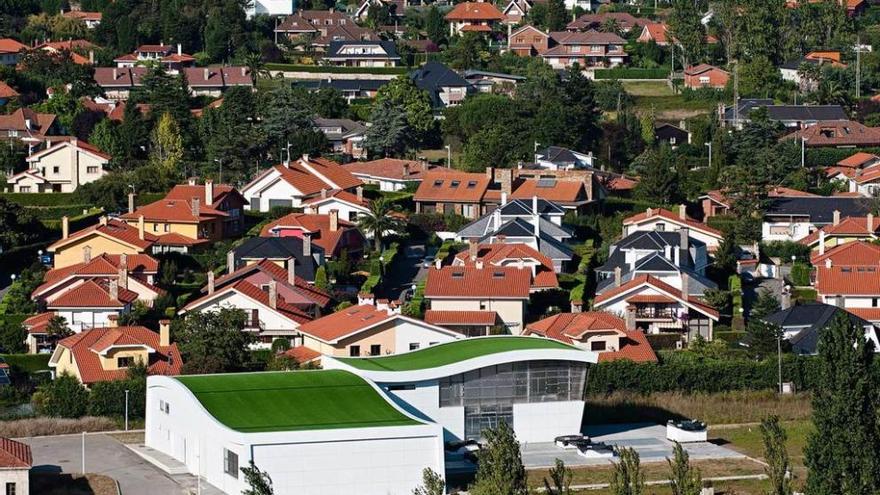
(337, 70)
(631, 73)
(56, 212)
(784, 250)
(729, 337)
(700, 376)
(30, 363)
(800, 274)
(663, 340)
(41, 199)
(821, 157)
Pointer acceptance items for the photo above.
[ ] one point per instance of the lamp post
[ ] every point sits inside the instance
(126, 409)
(709, 144)
(803, 152)
(220, 161)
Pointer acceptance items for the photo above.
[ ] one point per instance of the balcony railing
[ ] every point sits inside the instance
(655, 313)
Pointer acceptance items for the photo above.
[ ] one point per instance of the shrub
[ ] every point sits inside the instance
(64, 397)
(631, 73)
(280, 345)
(663, 340)
(784, 250)
(35, 427)
(800, 274)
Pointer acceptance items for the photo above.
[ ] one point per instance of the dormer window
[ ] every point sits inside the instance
(457, 274)
(438, 183)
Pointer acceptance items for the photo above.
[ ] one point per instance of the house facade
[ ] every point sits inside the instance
(587, 49)
(362, 54)
(705, 76)
(62, 167)
(291, 183)
(477, 16)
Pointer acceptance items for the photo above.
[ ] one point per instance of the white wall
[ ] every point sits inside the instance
(270, 7)
(544, 421)
(407, 332)
(269, 319)
(78, 319)
(270, 187)
(510, 311)
(20, 477)
(424, 401)
(651, 225)
(346, 210)
(795, 230)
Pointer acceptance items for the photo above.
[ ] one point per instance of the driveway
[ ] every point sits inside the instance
(404, 271)
(105, 455)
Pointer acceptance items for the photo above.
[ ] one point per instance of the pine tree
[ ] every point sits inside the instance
(686, 480)
(627, 477)
(659, 178)
(321, 281)
(501, 471)
(776, 456)
(259, 482)
(765, 304)
(390, 133)
(841, 454)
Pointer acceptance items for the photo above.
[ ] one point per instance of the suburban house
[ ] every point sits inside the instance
(654, 31)
(16, 462)
(791, 116)
(705, 76)
(559, 158)
(467, 323)
(278, 250)
(92, 304)
(515, 11)
(105, 354)
(516, 255)
(28, 126)
(396, 8)
(655, 307)
(672, 135)
(663, 220)
(716, 202)
(362, 54)
(803, 324)
(445, 86)
(366, 330)
(792, 70)
(327, 231)
(391, 174)
(492, 82)
(290, 183)
(193, 214)
(461, 193)
(473, 16)
(292, 282)
(587, 49)
(10, 51)
(596, 331)
(61, 167)
(269, 316)
(7, 93)
(318, 28)
(624, 21)
(167, 56)
(90, 19)
(849, 167)
(528, 41)
(118, 82)
(74, 49)
(347, 206)
(503, 290)
(271, 8)
(837, 134)
(345, 135)
(112, 237)
(793, 218)
(847, 277)
(845, 231)
(351, 89)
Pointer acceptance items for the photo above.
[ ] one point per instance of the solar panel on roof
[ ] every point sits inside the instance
(546, 182)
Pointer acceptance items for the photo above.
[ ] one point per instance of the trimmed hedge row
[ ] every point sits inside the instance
(29, 363)
(820, 157)
(705, 376)
(41, 199)
(631, 73)
(337, 70)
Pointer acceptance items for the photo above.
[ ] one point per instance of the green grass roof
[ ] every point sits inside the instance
(452, 352)
(293, 401)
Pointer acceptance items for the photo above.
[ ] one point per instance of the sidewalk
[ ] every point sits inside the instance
(174, 468)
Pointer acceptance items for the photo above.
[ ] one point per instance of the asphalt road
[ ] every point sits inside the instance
(105, 455)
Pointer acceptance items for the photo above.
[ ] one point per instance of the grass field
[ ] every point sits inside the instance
(459, 350)
(657, 95)
(284, 401)
(30, 363)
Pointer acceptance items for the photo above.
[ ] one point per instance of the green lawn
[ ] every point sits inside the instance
(293, 401)
(452, 352)
(659, 97)
(30, 363)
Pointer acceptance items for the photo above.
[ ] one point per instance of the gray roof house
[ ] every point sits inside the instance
(793, 218)
(308, 257)
(362, 54)
(444, 85)
(794, 116)
(802, 324)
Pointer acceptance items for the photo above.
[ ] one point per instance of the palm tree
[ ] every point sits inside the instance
(254, 63)
(380, 220)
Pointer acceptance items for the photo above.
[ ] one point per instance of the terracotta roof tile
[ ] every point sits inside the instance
(441, 185)
(851, 254)
(489, 282)
(15, 454)
(340, 195)
(573, 327)
(279, 274)
(656, 283)
(562, 191)
(475, 11)
(38, 323)
(115, 229)
(496, 254)
(340, 324)
(849, 226)
(9, 45)
(462, 318)
(302, 354)
(317, 224)
(674, 218)
(6, 91)
(837, 133)
(393, 168)
(94, 294)
(848, 280)
(254, 293)
(857, 160)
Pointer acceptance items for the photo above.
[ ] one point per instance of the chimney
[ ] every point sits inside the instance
(503, 198)
(870, 222)
(273, 294)
(103, 220)
(821, 241)
(496, 219)
(479, 264)
(291, 270)
(305, 157)
(195, 207)
(65, 227)
(836, 217)
(472, 250)
(131, 202)
(682, 212)
(207, 73)
(535, 205)
(114, 290)
(141, 227)
(243, 71)
(307, 244)
(617, 276)
(828, 263)
(179, 49)
(685, 285)
(209, 192)
(123, 271)
(683, 234)
(334, 220)
(164, 333)
(406, 169)
(360, 193)
(191, 181)
(210, 281)
(490, 172)
(630, 317)
(537, 225)
(91, 57)
(112, 321)
(87, 254)
(230, 262)
(323, 193)
(115, 74)
(438, 263)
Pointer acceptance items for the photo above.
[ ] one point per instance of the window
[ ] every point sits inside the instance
(24, 189)
(874, 302)
(92, 170)
(575, 49)
(484, 305)
(230, 463)
(10, 488)
(596, 49)
(124, 362)
(375, 350)
(55, 170)
(354, 350)
(167, 227)
(597, 345)
(414, 346)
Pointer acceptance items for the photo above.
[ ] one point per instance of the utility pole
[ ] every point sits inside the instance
(83, 452)
(803, 151)
(736, 94)
(126, 409)
(858, 67)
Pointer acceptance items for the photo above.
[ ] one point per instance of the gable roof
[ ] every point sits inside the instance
(654, 282)
(849, 226)
(6, 91)
(94, 294)
(625, 21)
(812, 318)
(495, 254)
(315, 223)
(591, 37)
(698, 69)
(837, 133)
(559, 191)
(279, 274)
(353, 320)
(434, 75)
(15, 454)
(113, 229)
(452, 186)
(475, 11)
(671, 217)
(254, 293)
(489, 282)
(339, 195)
(9, 45)
(40, 123)
(460, 318)
(103, 264)
(310, 175)
(858, 159)
(819, 209)
(388, 47)
(393, 169)
(177, 205)
(570, 327)
(280, 248)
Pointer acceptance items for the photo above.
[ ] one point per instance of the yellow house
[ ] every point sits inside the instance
(104, 354)
(106, 237)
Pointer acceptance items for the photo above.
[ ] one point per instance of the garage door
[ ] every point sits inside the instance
(280, 202)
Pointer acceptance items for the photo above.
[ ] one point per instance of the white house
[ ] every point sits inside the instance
(269, 7)
(349, 206)
(92, 304)
(290, 183)
(663, 220)
(62, 167)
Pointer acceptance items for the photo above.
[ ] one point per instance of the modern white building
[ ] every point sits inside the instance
(319, 432)
(269, 7)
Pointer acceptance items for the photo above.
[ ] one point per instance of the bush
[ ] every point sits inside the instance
(41, 199)
(632, 73)
(29, 363)
(280, 345)
(800, 274)
(35, 427)
(64, 397)
(337, 70)
(784, 250)
(663, 340)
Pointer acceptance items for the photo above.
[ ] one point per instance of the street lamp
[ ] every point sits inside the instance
(803, 151)
(709, 144)
(220, 161)
(448, 155)
(126, 409)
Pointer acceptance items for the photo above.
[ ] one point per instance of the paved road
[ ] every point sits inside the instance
(405, 271)
(105, 455)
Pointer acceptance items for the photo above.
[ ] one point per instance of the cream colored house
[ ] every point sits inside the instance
(62, 167)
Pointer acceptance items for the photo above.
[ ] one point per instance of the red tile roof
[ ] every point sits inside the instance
(563, 191)
(637, 348)
(85, 16)
(851, 254)
(94, 294)
(573, 327)
(393, 168)
(837, 133)
(340, 195)
(856, 160)
(114, 229)
(9, 45)
(667, 215)
(461, 318)
(38, 323)
(177, 205)
(657, 32)
(317, 224)
(40, 123)
(6, 91)
(452, 186)
(848, 280)
(477, 28)
(489, 282)
(279, 274)
(165, 361)
(475, 11)
(254, 293)
(341, 324)
(15, 454)
(869, 314)
(698, 69)
(498, 254)
(849, 227)
(302, 354)
(306, 176)
(103, 264)
(656, 283)
(175, 239)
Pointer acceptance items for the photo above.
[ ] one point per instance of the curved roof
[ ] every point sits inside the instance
(293, 401)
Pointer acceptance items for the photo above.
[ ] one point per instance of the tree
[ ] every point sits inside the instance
(403, 93)
(257, 69)
(725, 255)
(556, 17)
(284, 116)
(390, 134)
(432, 484)
(841, 452)
(560, 480)
(435, 25)
(776, 456)
(213, 341)
(659, 181)
(64, 397)
(718, 299)
(765, 304)
(685, 27)
(627, 477)
(321, 281)
(12, 336)
(500, 470)
(166, 150)
(380, 220)
(57, 329)
(685, 480)
(258, 482)
(763, 338)
(647, 122)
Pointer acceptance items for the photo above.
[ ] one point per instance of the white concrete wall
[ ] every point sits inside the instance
(424, 401)
(269, 319)
(72, 166)
(346, 211)
(270, 7)
(77, 319)
(270, 188)
(544, 421)
(19, 477)
(406, 333)
(796, 230)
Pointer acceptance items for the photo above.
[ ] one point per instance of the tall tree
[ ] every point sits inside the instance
(659, 181)
(776, 456)
(390, 134)
(213, 341)
(765, 304)
(403, 93)
(627, 477)
(380, 220)
(285, 115)
(841, 453)
(686, 479)
(500, 471)
(685, 27)
(435, 25)
(166, 149)
(557, 16)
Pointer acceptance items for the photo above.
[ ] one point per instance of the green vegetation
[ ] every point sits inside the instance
(452, 352)
(337, 70)
(293, 401)
(632, 73)
(29, 363)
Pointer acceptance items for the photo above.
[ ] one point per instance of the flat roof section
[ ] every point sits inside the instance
(293, 401)
(453, 352)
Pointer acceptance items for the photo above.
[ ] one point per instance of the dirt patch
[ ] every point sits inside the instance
(36, 427)
(72, 484)
(133, 437)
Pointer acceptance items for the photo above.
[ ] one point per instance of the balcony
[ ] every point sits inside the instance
(656, 312)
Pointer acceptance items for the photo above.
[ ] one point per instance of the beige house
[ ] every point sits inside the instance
(111, 237)
(62, 167)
